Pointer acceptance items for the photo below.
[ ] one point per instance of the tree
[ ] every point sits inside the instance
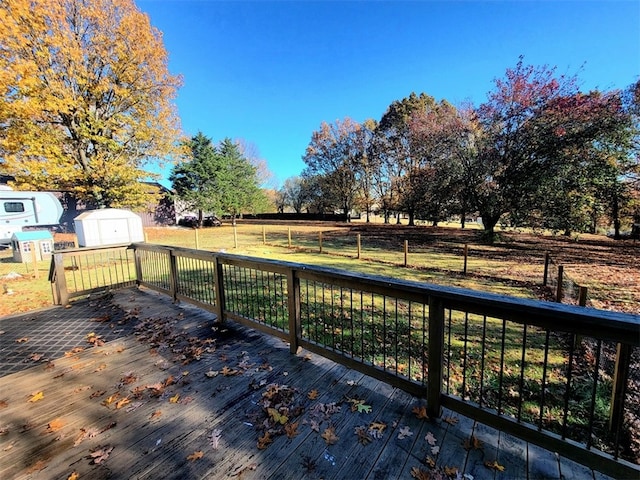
(240, 191)
(85, 98)
(294, 194)
(334, 154)
(394, 158)
(200, 177)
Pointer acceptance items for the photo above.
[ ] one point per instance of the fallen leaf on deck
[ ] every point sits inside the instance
(330, 436)
(404, 432)
(175, 398)
(36, 396)
(38, 466)
(430, 462)
(363, 436)
(122, 403)
(54, 425)
(155, 414)
(100, 454)
(264, 441)
(212, 373)
(3, 404)
(22, 340)
(228, 372)
(420, 474)
(195, 455)
(451, 420)
(97, 393)
(36, 357)
(435, 450)
(214, 438)
(494, 466)
(277, 417)
(312, 395)
(291, 429)
(451, 471)
(109, 400)
(376, 429)
(73, 476)
(420, 412)
(473, 443)
(431, 440)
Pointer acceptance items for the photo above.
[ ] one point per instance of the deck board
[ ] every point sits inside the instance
(152, 437)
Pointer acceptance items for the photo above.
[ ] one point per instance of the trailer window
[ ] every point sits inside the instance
(13, 207)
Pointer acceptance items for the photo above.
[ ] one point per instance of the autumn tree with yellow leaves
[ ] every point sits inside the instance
(86, 99)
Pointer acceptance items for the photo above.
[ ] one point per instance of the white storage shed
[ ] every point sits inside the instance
(108, 226)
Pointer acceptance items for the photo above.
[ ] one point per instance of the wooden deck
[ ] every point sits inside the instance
(184, 398)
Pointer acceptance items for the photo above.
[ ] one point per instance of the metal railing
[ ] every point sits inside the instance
(555, 375)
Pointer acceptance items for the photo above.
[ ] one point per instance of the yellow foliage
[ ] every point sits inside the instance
(86, 98)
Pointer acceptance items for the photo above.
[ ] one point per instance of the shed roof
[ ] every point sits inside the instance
(32, 235)
(106, 213)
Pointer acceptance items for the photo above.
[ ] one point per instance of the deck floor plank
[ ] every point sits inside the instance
(152, 437)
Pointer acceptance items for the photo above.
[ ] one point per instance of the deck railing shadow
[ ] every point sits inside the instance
(554, 375)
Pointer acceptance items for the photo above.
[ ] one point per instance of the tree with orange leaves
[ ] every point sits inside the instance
(85, 99)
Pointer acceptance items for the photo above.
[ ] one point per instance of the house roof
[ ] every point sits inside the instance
(32, 235)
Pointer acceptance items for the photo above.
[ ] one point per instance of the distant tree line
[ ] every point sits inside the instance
(539, 152)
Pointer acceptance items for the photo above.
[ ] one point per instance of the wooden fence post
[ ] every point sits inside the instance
(34, 259)
(621, 375)
(264, 235)
(218, 287)
(320, 240)
(582, 296)
(559, 291)
(406, 252)
(173, 276)
(435, 353)
(289, 236)
(545, 275)
(293, 305)
(62, 293)
(137, 255)
(359, 245)
(466, 254)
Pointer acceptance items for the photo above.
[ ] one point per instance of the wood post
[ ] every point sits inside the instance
(293, 300)
(320, 240)
(173, 276)
(406, 252)
(545, 275)
(466, 254)
(235, 237)
(559, 291)
(264, 235)
(62, 293)
(218, 287)
(358, 245)
(621, 375)
(435, 354)
(582, 296)
(289, 236)
(34, 259)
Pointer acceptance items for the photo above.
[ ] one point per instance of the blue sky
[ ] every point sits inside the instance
(270, 72)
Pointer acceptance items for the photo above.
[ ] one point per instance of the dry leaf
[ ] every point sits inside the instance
(122, 403)
(73, 476)
(451, 420)
(450, 471)
(430, 462)
(195, 455)
(155, 414)
(435, 450)
(214, 438)
(3, 404)
(38, 466)
(175, 398)
(404, 432)
(228, 372)
(264, 441)
(330, 436)
(494, 466)
(54, 425)
(363, 437)
(22, 340)
(312, 395)
(109, 400)
(36, 357)
(277, 417)
(420, 474)
(376, 429)
(431, 440)
(420, 412)
(36, 396)
(212, 373)
(291, 429)
(97, 393)
(100, 454)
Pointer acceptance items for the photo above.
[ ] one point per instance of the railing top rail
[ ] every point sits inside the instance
(602, 324)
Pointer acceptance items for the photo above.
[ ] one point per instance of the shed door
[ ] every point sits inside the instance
(113, 230)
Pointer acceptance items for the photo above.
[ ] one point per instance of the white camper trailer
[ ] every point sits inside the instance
(26, 209)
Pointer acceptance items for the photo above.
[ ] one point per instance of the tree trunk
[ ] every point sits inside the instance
(200, 218)
(463, 218)
(489, 223)
(615, 213)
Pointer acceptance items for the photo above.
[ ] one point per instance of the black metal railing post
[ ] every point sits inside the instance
(293, 307)
(435, 356)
